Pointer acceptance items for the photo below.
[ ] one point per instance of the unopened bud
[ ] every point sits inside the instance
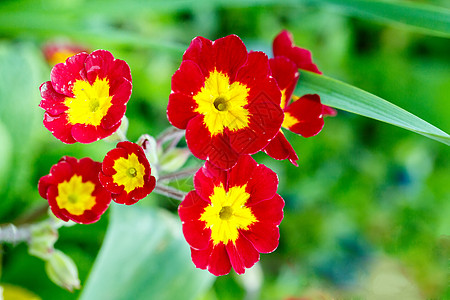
(148, 143)
(174, 159)
(42, 239)
(62, 271)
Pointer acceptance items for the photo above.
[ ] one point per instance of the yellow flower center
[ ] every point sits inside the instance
(289, 120)
(90, 102)
(227, 214)
(75, 195)
(222, 103)
(129, 172)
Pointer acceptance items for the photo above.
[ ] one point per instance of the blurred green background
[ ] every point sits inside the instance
(367, 211)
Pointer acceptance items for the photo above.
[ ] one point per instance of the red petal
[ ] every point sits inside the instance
(230, 54)
(283, 46)
(242, 254)
(86, 134)
(308, 111)
(98, 65)
(188, 79)
(201, 52)
(102, 64)
(279, 148)
(265, 119)
(216, 149)
(194, 230)
(282, 43)
(219, 262)
(191, 208)
(43, 185)
(52, 102)
(285, 73)
(59, 127)
(204, 184)
(214, 258)
(256, 68)
(180, 110)
(64, 75)
(264, 234)
(328, 111)
(241, 173)
(262, 185)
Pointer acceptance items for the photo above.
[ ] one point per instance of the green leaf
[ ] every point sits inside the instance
(432, 20)
(349, 98)
(144, 256)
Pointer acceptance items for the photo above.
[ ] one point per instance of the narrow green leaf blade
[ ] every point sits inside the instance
(433, 20)
(144, 256)
(346, 97)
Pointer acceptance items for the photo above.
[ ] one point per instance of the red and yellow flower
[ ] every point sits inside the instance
(86, 97)
(73, 190)
(232, 216)
(126, 173)
(58, 52)
(304, 115)
(283, 45)
(226, 100)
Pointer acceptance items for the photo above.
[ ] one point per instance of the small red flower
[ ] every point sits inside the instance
(232, 216)
(226, 100)
(303, 115)
(73, 190)
(86, 97)
(58, 52)
(283, 45)
(126, 173)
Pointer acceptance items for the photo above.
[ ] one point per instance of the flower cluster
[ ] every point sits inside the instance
(230, 103)
(86, 101)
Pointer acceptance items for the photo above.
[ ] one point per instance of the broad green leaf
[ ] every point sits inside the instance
(144, 256)
(349, 98)
(21, 74)
(432, 20)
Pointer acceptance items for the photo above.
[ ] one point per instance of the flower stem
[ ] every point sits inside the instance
(12, 234)
(170, 133)
(169, 192)
(180, 174)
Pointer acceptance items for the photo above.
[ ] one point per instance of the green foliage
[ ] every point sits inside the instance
(343, 96)
(366, 195)
(144, 253)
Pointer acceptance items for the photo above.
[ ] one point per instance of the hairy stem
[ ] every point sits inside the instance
(170, 133)
(180, 174)
(12, 234)
(169, 192)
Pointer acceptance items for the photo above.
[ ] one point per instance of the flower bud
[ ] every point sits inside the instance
(174, 159)
(42, 239)
(62, 271)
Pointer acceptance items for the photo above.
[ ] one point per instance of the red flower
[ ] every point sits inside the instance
(126, 173)
(283, 45)
(232, 216)
(303, 115)
(58, 52)
(73, 190)
(226, 100)
(86, 97)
